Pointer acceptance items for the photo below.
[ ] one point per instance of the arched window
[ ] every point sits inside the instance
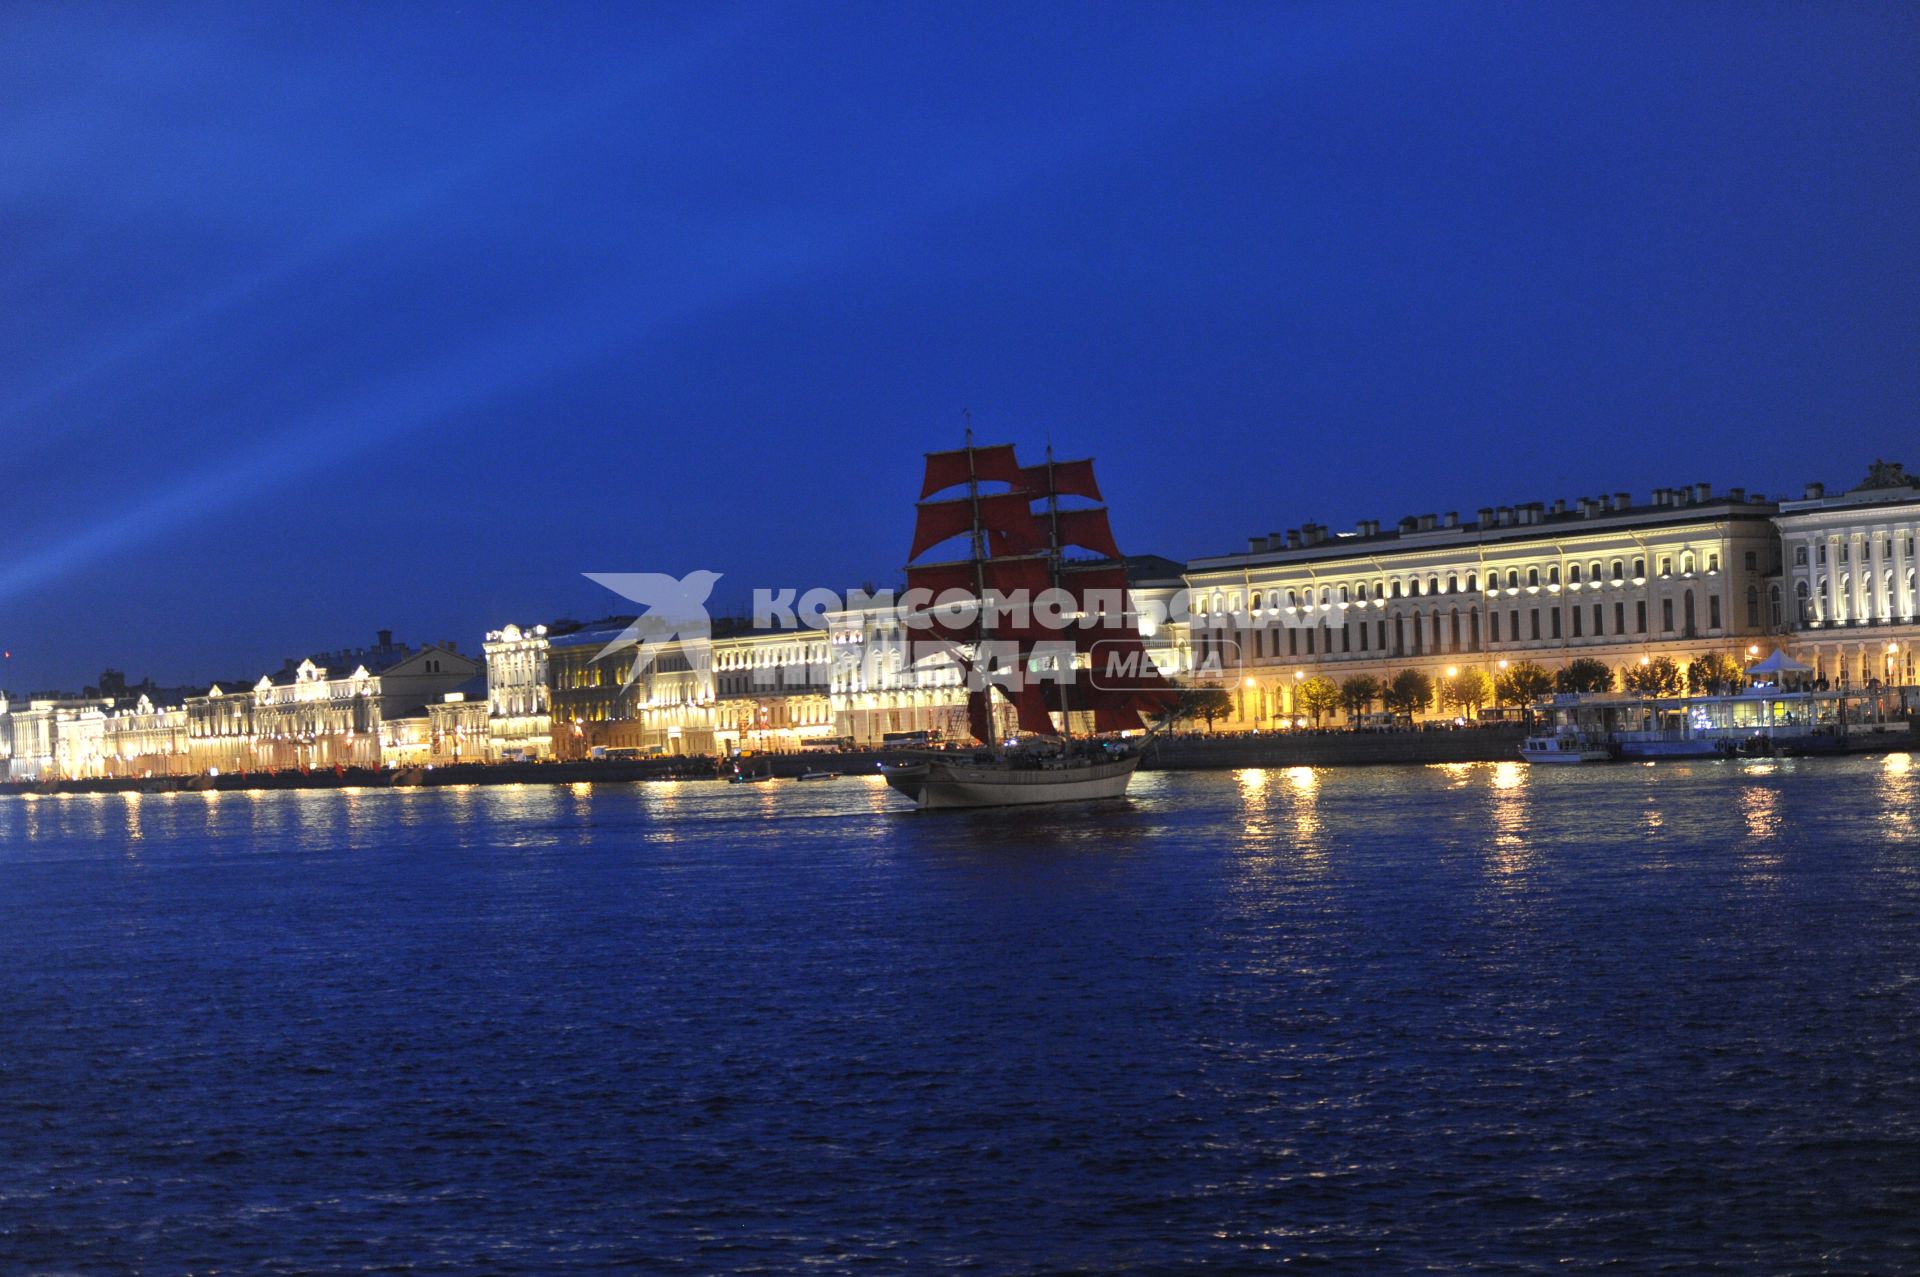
(1363, 591)
(1573, 574)
(1433, 584)
(1686, 562)
(1513, 579)
(1293, 598)
(1800, 555)
(1617, 570)
(1326, 596)
(1345, 596)
(1553, 575)
(1773, 605)
(1533, 576)
(1593, 572)
(1639, 569)
(1253, 603)
(1396, 589)
(1453, 583)
(1473, 582)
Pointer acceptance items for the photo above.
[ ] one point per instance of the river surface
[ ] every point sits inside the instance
(1447, 1019)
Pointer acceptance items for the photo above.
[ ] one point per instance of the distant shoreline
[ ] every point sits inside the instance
(1196, 752)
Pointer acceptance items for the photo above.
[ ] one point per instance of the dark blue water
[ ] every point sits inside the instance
(1648, 1019)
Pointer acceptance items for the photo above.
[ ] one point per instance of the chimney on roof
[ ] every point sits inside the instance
(386, 638)
(1560, 505)
(1703, 492)
(1484, 516)
(1736, 495)
(1758, 498)
(1293, 538)
(1504, 517)
(1452, 519)
(1256, 544)
(1622, 500)
(1815, 491)
(1585, 508)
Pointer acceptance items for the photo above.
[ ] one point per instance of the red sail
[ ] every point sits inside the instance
(1031, 706)
(1116, 718)
(950, 469)
(937, 578)
(1109, 580)
(1010, 576)
(980, 716)
(1006, 513)
(1089, 530)
(1062, 479)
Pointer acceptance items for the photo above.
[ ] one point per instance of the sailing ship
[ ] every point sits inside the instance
(1015, 550)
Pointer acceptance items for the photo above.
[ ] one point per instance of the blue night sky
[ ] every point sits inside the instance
(325, 318)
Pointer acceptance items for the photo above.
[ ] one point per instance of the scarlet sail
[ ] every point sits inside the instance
(1018, 555)
(1003, 514)
(1062, 479)
(994, 463)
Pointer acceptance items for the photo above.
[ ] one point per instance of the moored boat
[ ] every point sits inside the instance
(1565, 747)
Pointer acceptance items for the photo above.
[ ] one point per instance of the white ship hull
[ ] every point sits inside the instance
(967, 784)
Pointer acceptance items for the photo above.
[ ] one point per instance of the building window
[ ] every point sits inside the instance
(1513, 579)
(1533, 576)
(1823, 552)
(1713, 563)
(1619, 618)
(1493, 627)
(1639, 569)
(1576, 622)
(1713, 611)
(1473, 582)
(1553, 615)
(1640, 617)
(1514, 616)
(1844, 550)
(1553, 575)
(1573, 574)
(1599, 620)
(1536, 623)
(1753, 604)
(1666, 565)
(1666, 616)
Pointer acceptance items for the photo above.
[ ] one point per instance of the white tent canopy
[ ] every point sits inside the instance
(1778, 663)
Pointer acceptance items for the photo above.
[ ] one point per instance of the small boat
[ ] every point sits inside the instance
(749, 778)
(408, 777)
(819, 775)
(1565, 747)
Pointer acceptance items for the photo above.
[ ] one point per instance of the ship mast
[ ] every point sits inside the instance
(978, 542)
(1054, 567)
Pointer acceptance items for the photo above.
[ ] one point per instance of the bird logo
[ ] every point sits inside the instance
(676, 613)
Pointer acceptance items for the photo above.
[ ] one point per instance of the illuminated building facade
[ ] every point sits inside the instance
(141, 739)
(1849, 577)
(1601, 578)
(519, 693)
(459, 730)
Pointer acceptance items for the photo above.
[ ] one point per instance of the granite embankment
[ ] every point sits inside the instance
(1180, 753)
(1335, 749)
